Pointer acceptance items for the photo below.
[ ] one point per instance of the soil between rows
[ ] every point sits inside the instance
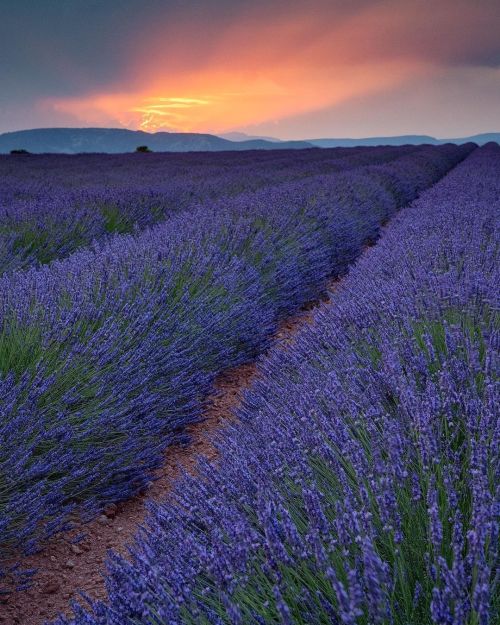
(69, 564)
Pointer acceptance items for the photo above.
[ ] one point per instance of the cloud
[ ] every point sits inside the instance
(214, 66)
(219, 100)
(448, 104)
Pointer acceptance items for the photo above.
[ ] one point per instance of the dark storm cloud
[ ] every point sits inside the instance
(57, 47)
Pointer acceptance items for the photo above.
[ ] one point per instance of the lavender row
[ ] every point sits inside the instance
(52, 205)
(361, 485)
(106, 356)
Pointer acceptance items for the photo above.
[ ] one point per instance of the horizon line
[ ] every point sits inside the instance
(251, 137)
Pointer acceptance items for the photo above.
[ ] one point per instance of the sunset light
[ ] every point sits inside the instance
(221, 101)
(291, 70)
(166, 113)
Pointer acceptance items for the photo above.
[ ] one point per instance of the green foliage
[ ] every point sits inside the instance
(115, 220)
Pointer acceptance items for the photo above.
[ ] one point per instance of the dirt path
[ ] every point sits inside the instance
(68, 565)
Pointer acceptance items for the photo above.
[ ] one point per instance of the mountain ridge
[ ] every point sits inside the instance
(119, 140)
(480, 139)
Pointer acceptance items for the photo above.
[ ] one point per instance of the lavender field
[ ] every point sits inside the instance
(357, 483)
(52, 205)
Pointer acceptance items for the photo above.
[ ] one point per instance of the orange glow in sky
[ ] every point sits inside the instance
(219, 101)
(192, 76)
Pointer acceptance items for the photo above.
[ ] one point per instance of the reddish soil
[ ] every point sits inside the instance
(64, 568)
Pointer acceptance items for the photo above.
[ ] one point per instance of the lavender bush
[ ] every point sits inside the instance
(361, 484)
(106, 356)
(52, 205)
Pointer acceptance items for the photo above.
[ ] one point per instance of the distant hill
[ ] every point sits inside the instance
(116, 140)
(404, 140)
(399, 140)
(485, 137)
(242, 136)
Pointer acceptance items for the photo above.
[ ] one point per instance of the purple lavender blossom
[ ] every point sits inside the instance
(376, 431)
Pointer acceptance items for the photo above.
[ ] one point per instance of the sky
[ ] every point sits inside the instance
(293, 69)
